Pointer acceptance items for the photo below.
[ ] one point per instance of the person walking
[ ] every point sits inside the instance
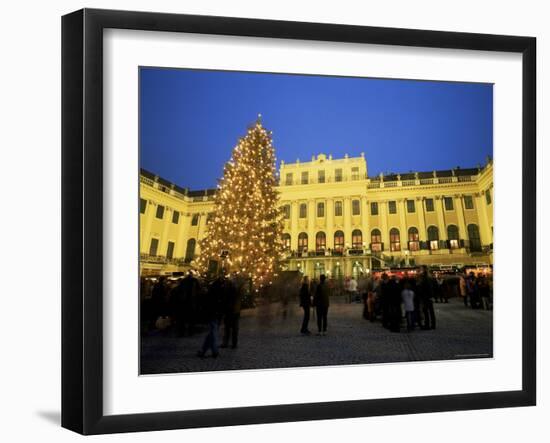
(407, 296)
(305, 304)
(321, 301)
(213, 310)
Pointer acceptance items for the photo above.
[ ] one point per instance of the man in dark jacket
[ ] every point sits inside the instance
(232, 314)
(394, 304)
(305, 304)
(426, 293)
(322, 303)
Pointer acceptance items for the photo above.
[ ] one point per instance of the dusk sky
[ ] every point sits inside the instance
(190, 120)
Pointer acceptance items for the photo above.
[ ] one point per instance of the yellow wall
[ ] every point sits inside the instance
(354, 185)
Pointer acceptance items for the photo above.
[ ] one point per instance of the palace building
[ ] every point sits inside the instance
(338, 220)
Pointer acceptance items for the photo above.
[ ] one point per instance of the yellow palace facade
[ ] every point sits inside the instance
(338, 220)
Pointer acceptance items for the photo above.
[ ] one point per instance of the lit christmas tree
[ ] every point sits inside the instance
(245, 232)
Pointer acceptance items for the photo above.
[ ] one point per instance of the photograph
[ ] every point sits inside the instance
(290, 220)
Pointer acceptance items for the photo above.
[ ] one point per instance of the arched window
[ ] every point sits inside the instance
(286, 211)
(395, 240)
(320, 209)
(376, 240)
(433, 237)
(452, 235)
(286, 242)
(473, 236)
(339, 241)
(302, 242)
(414, 239)
(320, 242)
(356, 239)
(190, 251)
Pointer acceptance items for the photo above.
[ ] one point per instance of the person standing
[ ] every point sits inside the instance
(471, 289)
(463, 289)
(394, 304)
(385, 297)
(232, 314)
(352, 289)
(426, 292)
(213, 309)
(321, 301)
(305, 304)
(407, 295)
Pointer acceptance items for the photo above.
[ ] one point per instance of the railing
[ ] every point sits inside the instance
(162, 260)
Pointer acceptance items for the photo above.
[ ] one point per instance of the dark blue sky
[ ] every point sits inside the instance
(190, 121)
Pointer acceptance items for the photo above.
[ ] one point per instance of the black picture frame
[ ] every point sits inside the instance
(82, 215)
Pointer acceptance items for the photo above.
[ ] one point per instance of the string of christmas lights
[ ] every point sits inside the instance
(245, 232)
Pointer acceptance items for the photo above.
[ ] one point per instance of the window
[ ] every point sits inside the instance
(321, 176)
(305, 177)
(303, 210)
(170, 250)
(468, 202)
(142, 205)
(320, 209)
(392, 207)
(433, 237)
(286, 242)
(356, 239)
(338, 209)
(338, 175)
(374, 208)
(288, 178)
(355, 173)
(190, 250)
(395, 240)
(488, 196)
(448, 201)
(473, 236)
(302, 242)
(410, 206)
(175, 217)
(209, 217)
(414, 239)
(286, 211)
(452, 235)
(160, 211)
(320, 242)
(429, 205)
(195, 220)
(154, 246)
(355, 207)
(339, 241)
(376, 240)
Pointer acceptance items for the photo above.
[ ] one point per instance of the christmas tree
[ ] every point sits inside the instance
(245, 233)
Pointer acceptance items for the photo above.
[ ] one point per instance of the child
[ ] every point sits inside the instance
(407, 295)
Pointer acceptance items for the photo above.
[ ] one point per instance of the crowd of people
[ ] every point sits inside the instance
(392, 299)
(405, 300)
(184, 303)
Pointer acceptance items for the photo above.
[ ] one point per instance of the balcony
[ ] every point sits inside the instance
(162, 260)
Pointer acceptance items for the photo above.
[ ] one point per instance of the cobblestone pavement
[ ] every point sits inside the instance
(270, 339)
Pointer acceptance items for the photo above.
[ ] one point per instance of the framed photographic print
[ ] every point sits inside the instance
(269, 221)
